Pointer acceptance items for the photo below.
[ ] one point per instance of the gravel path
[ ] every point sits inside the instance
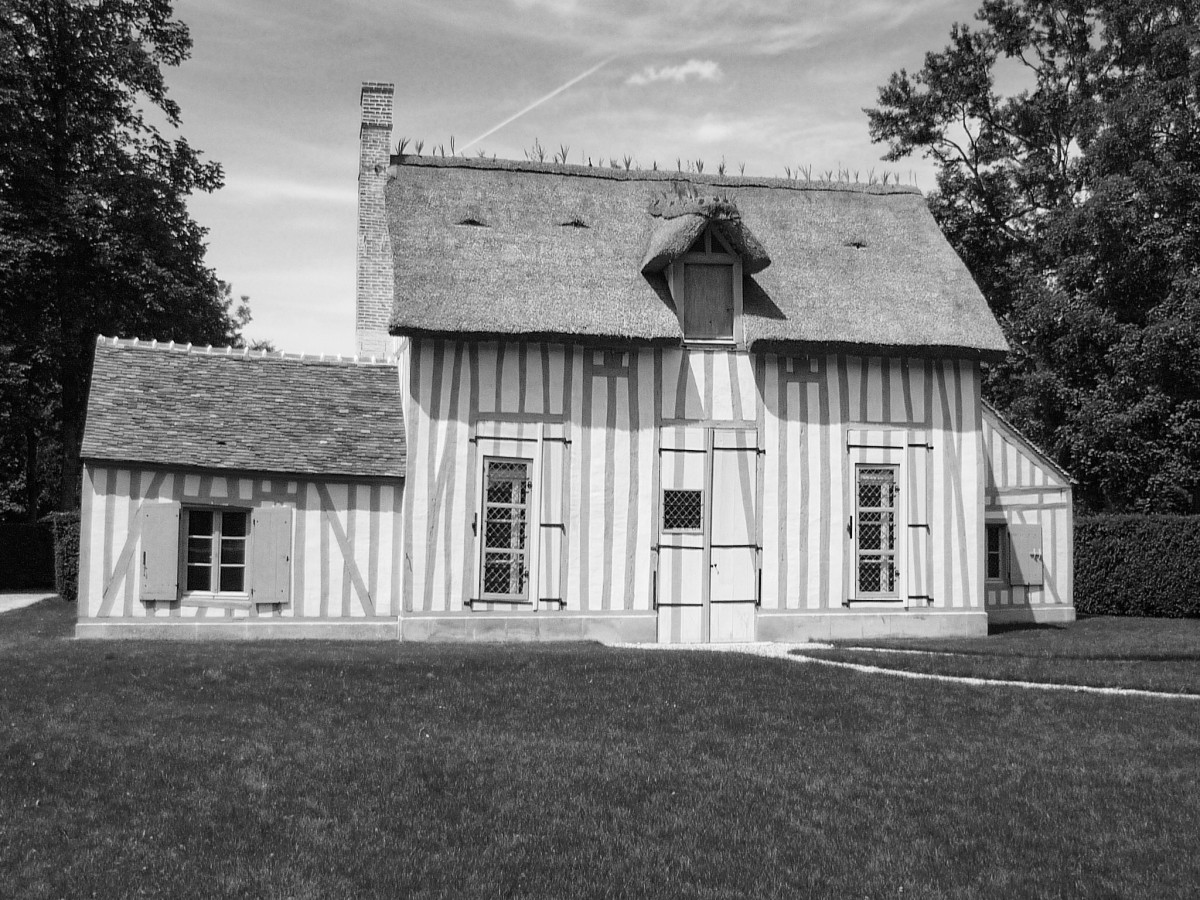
(784, 651)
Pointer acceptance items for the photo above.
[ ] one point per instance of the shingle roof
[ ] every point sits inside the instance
(230, 409)
(557, 253)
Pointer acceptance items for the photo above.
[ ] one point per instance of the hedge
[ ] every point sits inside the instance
(65, 526)
(1137, 565)
(26, 556)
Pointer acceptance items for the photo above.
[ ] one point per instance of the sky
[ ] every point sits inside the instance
(271, 92)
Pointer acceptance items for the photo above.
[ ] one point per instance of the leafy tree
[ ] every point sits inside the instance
(1074, 198)
(95, 236)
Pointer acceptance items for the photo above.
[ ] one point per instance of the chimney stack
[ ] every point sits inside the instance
(374, 284)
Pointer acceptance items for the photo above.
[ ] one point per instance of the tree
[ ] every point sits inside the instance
(95, 236)
(1075, 202)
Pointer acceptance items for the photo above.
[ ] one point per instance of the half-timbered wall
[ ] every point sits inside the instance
(1032, 499)
(344, 544)
(592, 421)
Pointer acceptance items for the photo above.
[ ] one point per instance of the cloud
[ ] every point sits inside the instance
(257, 189)
(702, 70)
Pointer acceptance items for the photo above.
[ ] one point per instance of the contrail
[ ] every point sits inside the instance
(536, 103)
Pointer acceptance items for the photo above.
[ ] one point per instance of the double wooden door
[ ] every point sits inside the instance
(707, 577)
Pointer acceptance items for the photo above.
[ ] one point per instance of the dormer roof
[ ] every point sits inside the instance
(681, 221)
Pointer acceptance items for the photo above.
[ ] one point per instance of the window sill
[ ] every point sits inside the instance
(711, 344)
(216, 601)
(875, 602)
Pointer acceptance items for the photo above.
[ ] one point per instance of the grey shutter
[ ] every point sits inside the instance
(270, 559)
(708, 300)
(160, 552)
(1025, 554)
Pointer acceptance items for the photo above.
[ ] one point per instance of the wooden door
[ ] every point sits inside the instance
(733, 535)
(707, 583)
(681, 581)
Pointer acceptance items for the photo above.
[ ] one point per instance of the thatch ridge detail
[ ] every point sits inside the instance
(649, 175)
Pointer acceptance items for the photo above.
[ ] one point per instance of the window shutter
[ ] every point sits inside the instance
(1025, 559)
(708, 300)
(270, 564)
(160, 552)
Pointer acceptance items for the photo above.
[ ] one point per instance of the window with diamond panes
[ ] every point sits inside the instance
(507, 492)
(683, 510)
(216, 551)
(877, 498)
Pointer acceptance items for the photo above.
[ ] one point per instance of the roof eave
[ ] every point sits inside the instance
(549, 337)
(917, 351)
(243, 471)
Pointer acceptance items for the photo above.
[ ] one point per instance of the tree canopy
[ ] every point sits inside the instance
(95, 235)
(1067, 143)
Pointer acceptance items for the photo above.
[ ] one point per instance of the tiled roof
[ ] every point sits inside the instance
(500, 249)
(176, 405)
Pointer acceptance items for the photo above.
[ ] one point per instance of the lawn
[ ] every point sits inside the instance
(384, 770)
(1101, 651)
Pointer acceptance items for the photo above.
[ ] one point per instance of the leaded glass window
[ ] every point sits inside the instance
(507, 492)
(877, 498)
(683, 510)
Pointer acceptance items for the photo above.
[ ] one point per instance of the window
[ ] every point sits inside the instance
(876, 503)
(709, 297)
(997, 546)
(216, 551)
(205, 556)
(683, 510)
(506, 499)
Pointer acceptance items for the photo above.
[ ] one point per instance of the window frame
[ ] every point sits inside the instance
(216, 536)
(1003, 576)
(716, 252)
(526, 596)
(898, 525)
(665, 528)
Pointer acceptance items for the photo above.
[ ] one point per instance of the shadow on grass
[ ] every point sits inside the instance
(1010, 627)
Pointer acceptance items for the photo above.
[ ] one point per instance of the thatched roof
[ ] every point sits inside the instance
(502, 249)
(180, 406)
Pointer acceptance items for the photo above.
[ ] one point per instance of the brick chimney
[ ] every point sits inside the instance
(374, 285)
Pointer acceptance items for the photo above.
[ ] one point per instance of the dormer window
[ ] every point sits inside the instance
(706, 285)
(705, 250)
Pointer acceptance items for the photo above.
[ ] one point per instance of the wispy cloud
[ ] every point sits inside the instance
(700, 69)
(256, 189)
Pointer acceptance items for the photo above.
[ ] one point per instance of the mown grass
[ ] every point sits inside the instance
(380, 770)
(1104, 651)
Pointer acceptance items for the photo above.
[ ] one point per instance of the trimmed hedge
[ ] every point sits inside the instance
(1137, 565)
(65, 526)
(26, 556)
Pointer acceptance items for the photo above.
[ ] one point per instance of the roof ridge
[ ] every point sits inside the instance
(652, 175)
(244, 353)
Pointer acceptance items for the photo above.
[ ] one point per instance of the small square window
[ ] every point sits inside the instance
(683, 510)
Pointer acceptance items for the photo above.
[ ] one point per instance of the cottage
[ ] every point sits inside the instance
(227, 493)
(632, 405)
